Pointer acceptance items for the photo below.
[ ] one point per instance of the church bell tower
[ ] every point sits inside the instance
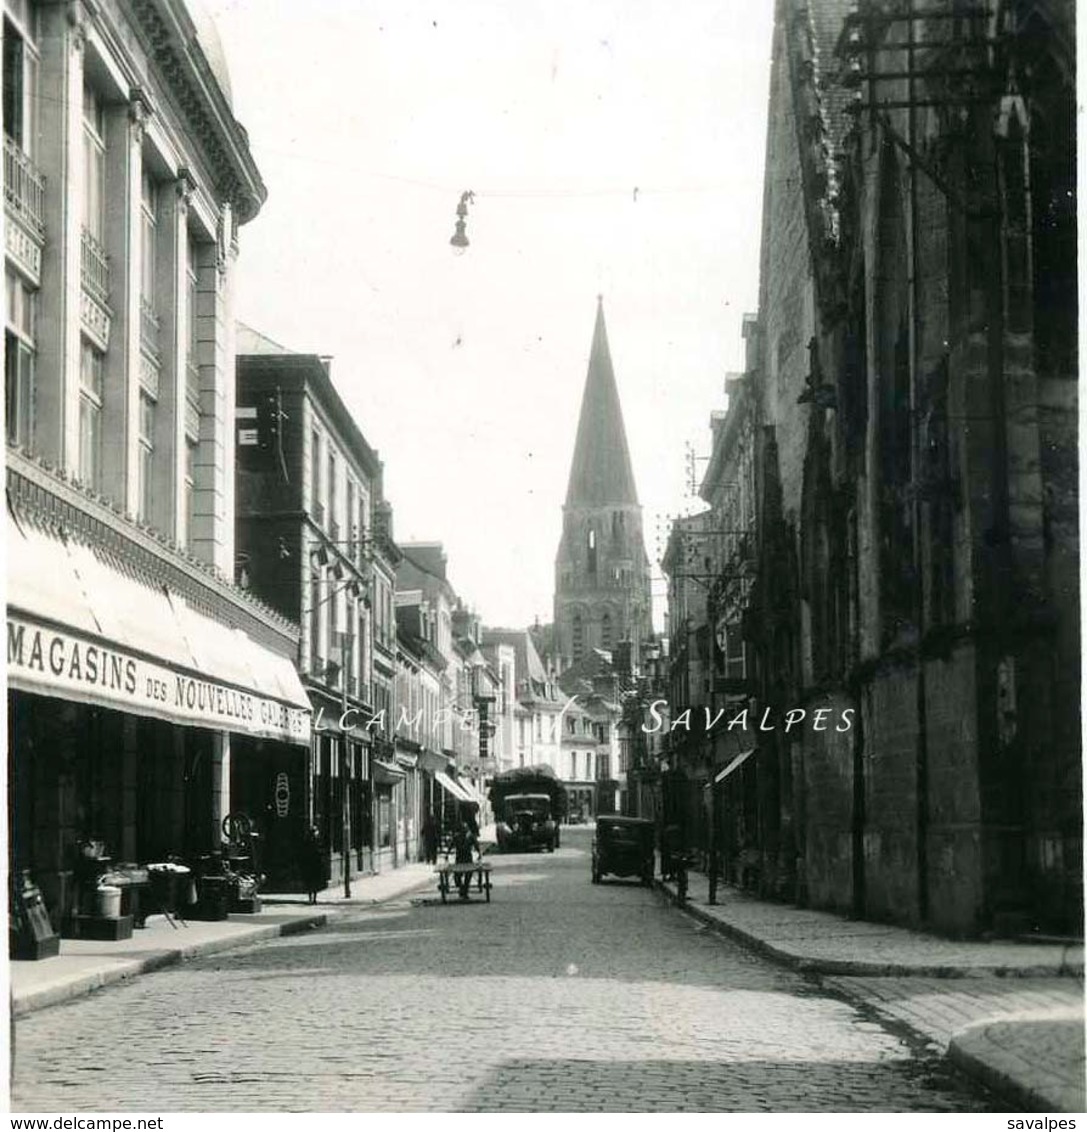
(601, 570)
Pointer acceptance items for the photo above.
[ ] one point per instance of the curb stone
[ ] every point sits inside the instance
(92, 981)
(971, 1050)
(974, 1052)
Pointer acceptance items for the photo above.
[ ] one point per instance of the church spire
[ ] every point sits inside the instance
(601, 471)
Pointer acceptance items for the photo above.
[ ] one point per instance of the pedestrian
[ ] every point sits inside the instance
(430, 838)
(311, 861)
(471, 817)
(465, 846)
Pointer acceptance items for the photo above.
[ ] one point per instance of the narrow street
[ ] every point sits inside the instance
(558, 995)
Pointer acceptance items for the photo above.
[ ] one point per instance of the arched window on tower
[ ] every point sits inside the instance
(577, 636)
(592, 551)
(605, 631)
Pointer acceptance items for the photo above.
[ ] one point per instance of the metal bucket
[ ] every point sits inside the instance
(109, 902)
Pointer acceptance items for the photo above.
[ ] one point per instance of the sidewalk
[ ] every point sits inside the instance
(84, 966)
(1010, 1014)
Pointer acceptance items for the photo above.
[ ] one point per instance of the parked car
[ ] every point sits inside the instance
(623, 847)
(527, 823)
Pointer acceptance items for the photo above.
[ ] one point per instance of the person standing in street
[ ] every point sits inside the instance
(312, 863)
(430, 838)
(465, 847)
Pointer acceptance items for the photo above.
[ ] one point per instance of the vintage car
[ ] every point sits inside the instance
(623, 847)
(527, 823)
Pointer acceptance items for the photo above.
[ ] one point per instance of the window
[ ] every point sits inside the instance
(349, 518)
(188, 507)
(605, 631)
(333, 525)
(578, 636)
(148, 238)
(332, 624)
(315, 622)
(146, 466)
(573, 764)
(94, 164)
(588, 764)
(316, 505)
(90, 416)
(364, 660)
(364, 525)
(21, 77)
(19, 356)
(592, 551)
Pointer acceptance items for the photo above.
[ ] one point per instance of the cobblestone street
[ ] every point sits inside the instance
(558, 995)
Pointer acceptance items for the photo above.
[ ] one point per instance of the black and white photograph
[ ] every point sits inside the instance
(542, 560)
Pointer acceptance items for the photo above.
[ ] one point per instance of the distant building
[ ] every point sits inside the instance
(602, 594)
(539, 701)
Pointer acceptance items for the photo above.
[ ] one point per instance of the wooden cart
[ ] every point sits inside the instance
(480, 869)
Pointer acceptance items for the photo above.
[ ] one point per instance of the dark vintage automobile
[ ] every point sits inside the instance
(623, 847)
(527, 823)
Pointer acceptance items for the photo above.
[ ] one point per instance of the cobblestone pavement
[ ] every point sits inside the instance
(558, 995)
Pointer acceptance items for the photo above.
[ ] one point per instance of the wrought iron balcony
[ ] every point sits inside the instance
(149, 330)
(94, 269)
(24, 187)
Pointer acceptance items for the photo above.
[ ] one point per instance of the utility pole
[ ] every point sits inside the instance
(345, 765)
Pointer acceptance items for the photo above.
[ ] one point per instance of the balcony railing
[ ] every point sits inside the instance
(24, 186)
(94, 268)
(149, 330)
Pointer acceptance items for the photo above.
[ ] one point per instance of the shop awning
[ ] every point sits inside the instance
(472, 792)
(84, 627)
(735, 764)
(386, 774)
(451, 787)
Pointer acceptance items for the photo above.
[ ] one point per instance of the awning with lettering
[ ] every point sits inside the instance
(84, 627)
(451, 787)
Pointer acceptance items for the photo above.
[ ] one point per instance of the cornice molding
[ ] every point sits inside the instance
(225, 142)
(39, 493)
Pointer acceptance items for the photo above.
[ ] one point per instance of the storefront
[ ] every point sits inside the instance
(341, 761)
(131, 684)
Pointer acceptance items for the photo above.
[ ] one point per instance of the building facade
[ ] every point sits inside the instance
(915, 399)
(141, 681)
(308, 491)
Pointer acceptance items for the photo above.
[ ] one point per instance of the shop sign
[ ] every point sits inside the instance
(61, 663)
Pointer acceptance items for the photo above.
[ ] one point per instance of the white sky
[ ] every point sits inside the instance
(368, 119)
